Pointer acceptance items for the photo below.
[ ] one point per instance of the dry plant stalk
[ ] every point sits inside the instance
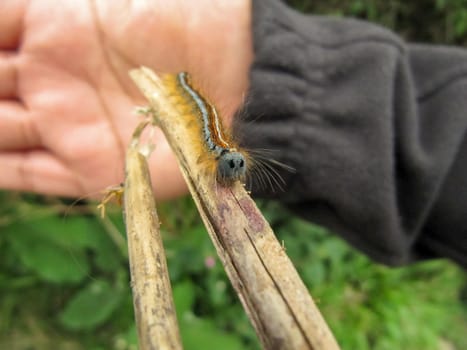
(273, 295)
(152, 294)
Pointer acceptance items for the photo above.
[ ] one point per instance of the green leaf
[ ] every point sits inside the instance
(203, 334)
(74, 235)
(357, 7)
(460, 22)
(184, 297)
(73, 232)
(91, 306)
(314, 274)
(198, 333)
(50, 261)
(440, 4)
(70, 232)
(185, 253)
(108, 257)
(129, 339)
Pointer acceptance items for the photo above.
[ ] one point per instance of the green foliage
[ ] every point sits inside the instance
(58, 254)
(91, 306)
(440, 21)
(368, 306)
(198, 332)
(59, 273)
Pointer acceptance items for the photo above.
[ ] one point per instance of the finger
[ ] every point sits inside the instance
(37, 171)
(17, 129)
(8, 75)
(11, 23)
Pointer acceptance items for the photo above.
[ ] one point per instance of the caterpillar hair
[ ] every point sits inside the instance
(220, 155)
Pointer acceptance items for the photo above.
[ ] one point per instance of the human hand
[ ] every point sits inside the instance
(66, 99)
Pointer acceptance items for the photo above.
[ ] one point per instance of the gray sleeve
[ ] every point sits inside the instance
(374, 127)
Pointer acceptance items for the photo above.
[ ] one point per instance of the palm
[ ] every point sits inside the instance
(71, 110)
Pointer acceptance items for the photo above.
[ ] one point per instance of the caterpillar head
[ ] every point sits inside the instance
(231, 166)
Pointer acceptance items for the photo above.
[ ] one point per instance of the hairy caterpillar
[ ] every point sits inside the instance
(219, 153)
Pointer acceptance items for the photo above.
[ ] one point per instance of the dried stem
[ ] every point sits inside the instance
(152, 294)
(273, 295)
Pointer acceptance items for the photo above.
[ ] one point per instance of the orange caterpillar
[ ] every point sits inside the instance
(229, 163)
(219, 153)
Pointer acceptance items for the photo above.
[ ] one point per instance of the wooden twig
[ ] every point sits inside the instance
(152, 295)
(273, 295)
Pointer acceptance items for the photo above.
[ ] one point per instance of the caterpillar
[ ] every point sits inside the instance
(219, 153)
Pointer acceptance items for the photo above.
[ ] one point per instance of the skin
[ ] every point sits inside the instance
(66, 101)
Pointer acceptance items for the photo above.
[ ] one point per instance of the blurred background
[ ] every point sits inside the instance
(64, 280)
